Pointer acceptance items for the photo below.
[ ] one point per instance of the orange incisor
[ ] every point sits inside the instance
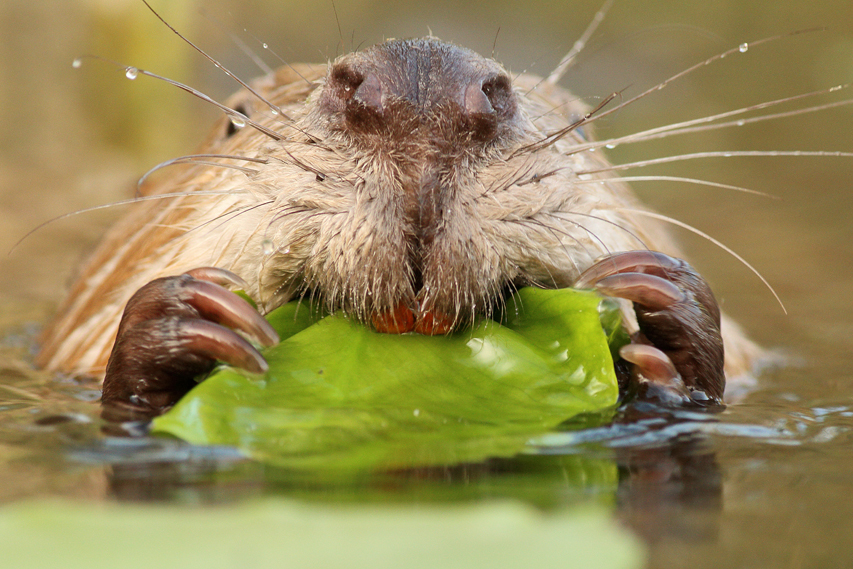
(401, 320)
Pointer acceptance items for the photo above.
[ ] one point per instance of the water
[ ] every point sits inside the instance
(766, 483)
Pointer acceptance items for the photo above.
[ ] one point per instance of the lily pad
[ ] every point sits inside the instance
(340, 398)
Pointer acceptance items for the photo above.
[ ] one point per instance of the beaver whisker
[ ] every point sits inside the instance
(276, 110)
(636, 237)
(241, 45)
(223, 218)
(129, 201)
(715, 154)
(200, 159)
(536, 178)
(280, 58)
(132, 72)
(554, 230)
(553, 110)
(687, 126)
(695, 181)
(303, 165)
(552, 138)
(569, 59)
(740, 48)
(283, 213)
(231, 215)
(235, 115)
(718, 243)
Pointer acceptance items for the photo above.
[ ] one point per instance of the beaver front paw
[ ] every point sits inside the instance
(677, 356)
(173, 330)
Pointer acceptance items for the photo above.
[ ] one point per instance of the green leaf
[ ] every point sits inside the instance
(278, 533)
(341, 398)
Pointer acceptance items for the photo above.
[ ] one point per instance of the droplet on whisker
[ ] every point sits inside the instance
(131, 73)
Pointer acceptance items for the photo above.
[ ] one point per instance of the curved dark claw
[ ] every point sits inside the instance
(218, 276)
(678, 355)
(173, 330)
(656, 376)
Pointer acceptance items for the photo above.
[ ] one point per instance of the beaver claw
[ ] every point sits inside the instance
(174, 329)
(677, 356)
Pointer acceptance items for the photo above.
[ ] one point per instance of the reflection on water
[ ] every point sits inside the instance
(679, 479)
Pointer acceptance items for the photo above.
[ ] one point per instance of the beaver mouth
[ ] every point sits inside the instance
(413, 316)
(403, 319)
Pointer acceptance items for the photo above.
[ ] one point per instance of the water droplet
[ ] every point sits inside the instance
(131, 73)
(284, 251)
(265, 45)
(267, 247)
(238, 121)
(832, 90)
(610, 146)
(416, 412)
(77, 63)
(741, 122)
(347, 88)
(274, 111)
(592, 149)
(743, 47)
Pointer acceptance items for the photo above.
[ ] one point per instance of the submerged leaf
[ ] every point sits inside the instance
(340, 397)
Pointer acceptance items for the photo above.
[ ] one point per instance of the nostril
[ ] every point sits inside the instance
(488, 103)
(346, 81)
(477, 100)
(498, 91)
(370, 93)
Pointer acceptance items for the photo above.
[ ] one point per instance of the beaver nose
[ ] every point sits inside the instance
(473, 97)
(419, 86)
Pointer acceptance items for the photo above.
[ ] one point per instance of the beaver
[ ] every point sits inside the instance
(410, 185)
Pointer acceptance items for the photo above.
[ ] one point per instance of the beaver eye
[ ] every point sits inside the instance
(499, 92)
(232, 128)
